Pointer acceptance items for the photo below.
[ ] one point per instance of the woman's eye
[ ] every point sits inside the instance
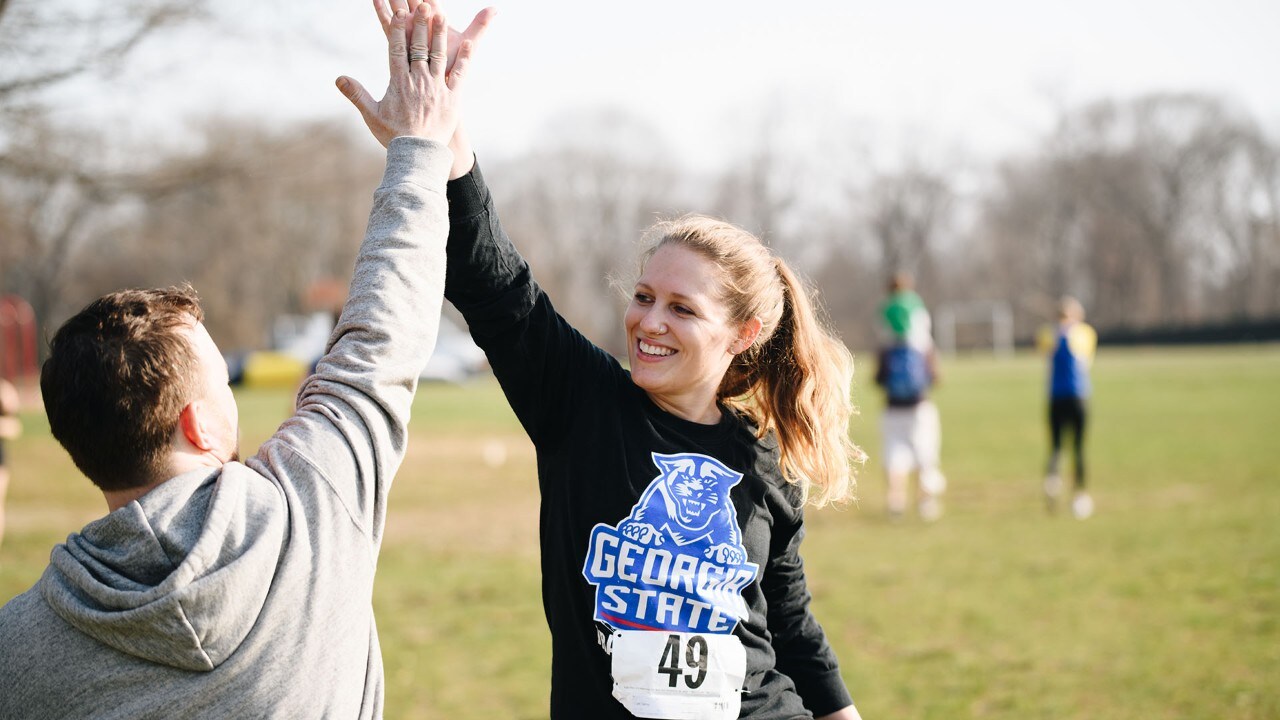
(682, 310)
(642, 298)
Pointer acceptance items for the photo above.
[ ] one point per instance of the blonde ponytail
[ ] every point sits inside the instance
(801, 391)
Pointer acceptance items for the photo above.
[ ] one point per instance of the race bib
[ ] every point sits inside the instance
(677, 675)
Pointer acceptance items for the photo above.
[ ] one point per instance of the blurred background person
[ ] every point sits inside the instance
(903, 314)
(907, 368)
(10, 428)
(1070, 346)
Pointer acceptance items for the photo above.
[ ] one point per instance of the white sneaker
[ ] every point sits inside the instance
(1052, 491)
(1082, 506)
(930, 509)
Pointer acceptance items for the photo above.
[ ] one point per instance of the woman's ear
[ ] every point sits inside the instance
(747, 334)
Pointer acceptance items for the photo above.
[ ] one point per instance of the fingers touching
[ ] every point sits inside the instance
(427, 61)
(386, 10)
(439, 42)
(420, 42)
(397, 42)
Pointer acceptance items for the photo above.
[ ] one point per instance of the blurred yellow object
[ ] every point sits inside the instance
(273, 369)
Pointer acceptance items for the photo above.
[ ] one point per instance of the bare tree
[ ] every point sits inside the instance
(1135, 206)
(782, 183)
(286, 211)
(54, 187)
(850, 285)
(61, 200)
(1164, 150)
(759, 189)
(253, 220)
(1031, 241)
(1246, 224)
(906, 211)
(579, 206)
(43, 44)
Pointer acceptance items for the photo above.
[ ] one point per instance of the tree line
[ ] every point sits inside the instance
(1155, 211)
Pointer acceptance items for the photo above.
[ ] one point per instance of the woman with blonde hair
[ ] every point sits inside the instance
(673, 491)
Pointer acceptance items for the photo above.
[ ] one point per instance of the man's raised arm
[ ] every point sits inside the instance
(349, 434)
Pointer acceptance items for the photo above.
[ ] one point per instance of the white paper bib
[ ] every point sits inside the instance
(679, 676)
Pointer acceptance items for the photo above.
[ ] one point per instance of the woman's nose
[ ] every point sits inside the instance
(653, 322)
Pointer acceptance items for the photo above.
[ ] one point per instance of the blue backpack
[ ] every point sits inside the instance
(906, 373)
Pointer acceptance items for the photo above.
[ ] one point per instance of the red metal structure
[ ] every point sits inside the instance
(17, 338)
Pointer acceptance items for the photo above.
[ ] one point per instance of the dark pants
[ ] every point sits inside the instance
(1068, 414)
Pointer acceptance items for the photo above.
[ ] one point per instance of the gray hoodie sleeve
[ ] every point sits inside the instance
(343, 446)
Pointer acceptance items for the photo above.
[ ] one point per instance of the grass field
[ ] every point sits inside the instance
(1164, 605)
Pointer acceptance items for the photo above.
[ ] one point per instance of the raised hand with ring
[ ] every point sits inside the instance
(421, 102)
(386, 10)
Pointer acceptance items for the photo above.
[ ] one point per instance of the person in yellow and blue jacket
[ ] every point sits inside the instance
(1070, 346)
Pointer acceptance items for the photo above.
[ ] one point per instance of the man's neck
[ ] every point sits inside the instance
(117, 499)
(181, 463)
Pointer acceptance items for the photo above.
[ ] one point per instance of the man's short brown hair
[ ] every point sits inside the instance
(118, 375)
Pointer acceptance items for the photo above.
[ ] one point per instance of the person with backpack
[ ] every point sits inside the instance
(906, 370)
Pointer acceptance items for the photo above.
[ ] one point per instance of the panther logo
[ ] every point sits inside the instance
(689, 502)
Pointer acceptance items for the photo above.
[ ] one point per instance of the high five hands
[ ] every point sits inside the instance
(480, 23)
(426, 74)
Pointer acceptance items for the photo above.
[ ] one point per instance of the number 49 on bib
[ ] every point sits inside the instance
(679, 676)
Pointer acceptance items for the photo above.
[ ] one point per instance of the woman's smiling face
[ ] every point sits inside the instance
(681, 339)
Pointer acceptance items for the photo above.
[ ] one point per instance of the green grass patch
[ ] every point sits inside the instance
(1163, 605)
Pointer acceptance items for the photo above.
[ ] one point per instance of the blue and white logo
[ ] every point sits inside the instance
(676, 563)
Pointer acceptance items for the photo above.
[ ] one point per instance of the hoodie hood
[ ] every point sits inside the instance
(179, 576)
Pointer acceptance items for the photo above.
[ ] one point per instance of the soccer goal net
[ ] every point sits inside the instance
(973, 325)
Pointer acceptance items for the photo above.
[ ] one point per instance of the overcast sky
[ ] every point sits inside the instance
(984, 75)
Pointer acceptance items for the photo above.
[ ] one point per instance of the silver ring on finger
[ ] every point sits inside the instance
(417, 57)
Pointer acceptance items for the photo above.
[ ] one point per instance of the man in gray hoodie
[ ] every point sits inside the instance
(215, 588)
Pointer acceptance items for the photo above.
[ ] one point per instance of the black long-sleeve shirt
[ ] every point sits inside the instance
(610, 463)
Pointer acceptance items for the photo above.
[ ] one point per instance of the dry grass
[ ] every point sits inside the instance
(1164, 605)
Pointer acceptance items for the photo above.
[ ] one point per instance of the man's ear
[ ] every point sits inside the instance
(747, 335)
(191, 425)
